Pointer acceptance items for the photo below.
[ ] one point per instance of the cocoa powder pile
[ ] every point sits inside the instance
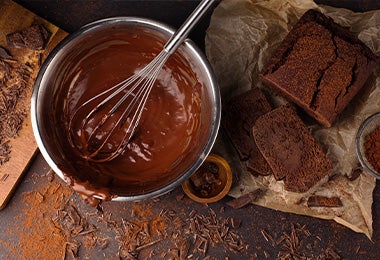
(372, 148)
(38, 233)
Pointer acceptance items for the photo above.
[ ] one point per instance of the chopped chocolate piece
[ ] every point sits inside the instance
(4, 54)
(205, 181)
(355, 173)
(235, 222)
(329, 254)
(320, 66)
(246, 199)
(321, 201)
(12, 123)
(290, 149)
(238, 118)
(34, 37)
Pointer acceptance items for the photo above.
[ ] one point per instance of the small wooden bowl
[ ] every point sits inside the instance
(225, 176)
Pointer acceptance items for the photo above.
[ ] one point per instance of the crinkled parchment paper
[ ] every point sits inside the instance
(240, 39)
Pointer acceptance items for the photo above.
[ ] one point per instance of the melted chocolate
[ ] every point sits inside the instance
(168, 127)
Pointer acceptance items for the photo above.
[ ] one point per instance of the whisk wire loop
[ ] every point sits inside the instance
(94, 144)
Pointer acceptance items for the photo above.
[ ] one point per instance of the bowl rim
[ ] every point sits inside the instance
(195, 52)
(358, 138)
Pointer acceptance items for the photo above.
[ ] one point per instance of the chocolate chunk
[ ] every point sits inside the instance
(4, 54)
(34, 37)
(246, 199)
(321, 201)
(355, 173)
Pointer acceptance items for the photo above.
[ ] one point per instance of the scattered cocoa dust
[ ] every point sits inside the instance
(39, 236)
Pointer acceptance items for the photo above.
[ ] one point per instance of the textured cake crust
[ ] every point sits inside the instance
(290, 149)
(319, 66)
(239, 116)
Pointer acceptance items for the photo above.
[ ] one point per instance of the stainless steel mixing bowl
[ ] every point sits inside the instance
(48, 88)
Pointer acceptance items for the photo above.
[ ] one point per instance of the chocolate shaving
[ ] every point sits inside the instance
(210, 230)
(13, 122)
(4, 177)
(235, 222)
(321, 201)
(329, 254)
(246, 199)
(13, 84)
(268, 237)
(5, 150)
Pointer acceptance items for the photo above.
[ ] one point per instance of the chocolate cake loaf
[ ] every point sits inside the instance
(319, 66)
(290, 149)
(239, 116)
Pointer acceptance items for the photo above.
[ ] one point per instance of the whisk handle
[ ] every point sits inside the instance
(181, 34)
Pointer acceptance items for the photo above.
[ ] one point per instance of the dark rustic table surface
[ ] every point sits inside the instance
(45, 220)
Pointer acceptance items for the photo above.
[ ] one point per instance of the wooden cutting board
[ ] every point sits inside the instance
(13, 18)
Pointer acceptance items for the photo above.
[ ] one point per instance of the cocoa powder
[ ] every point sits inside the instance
(37, 233)
(372, 148)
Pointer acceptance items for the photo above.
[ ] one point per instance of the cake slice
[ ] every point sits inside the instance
(239, 116)
(291, 151)
(319, 66)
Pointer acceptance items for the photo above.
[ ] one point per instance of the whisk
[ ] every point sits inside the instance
(99, 145)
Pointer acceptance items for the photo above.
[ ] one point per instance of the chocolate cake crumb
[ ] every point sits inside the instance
(34, 37)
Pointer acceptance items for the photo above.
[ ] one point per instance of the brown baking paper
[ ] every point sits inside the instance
(239, 41)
